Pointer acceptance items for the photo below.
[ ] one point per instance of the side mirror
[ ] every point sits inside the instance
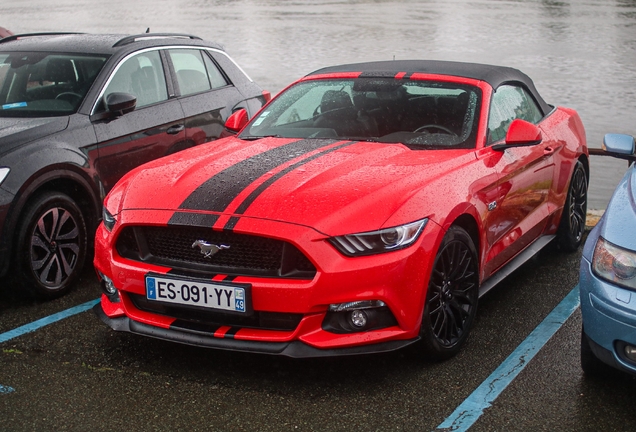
(619, 143)
(120, 103)
(520, 134)
(236, 121)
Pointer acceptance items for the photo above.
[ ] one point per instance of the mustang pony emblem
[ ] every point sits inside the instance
(208, 249)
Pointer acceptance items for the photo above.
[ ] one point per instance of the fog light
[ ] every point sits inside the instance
(109, 288)
(630, 352)
(358, 318)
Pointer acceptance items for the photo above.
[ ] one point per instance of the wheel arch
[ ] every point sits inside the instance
(67, 180)
(466, 217)
(469, 224)
(586, 165)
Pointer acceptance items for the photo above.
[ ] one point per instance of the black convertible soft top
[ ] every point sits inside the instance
(493, 75)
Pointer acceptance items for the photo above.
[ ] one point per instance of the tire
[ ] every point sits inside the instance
(451, 298)
(51, 245)
(572, 225)
(591, 364)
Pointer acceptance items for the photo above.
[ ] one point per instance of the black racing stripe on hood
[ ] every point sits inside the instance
(193, 219)
(219, 191)
(231, 224)
(267, 183)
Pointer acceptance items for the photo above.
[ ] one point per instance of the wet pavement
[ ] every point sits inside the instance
(77, 374)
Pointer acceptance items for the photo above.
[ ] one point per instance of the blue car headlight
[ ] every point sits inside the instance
(614, 264)
(375, 242)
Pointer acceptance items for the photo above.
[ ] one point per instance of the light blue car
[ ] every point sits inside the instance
(608, 275)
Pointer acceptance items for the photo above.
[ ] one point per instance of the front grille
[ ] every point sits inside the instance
(208, 321)
(172, 246)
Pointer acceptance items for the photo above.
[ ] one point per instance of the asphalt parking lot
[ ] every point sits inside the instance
(77, 374)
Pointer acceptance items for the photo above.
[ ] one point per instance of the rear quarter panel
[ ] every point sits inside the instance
(564, 126)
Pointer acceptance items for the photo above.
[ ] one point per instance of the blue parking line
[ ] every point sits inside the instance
(27, 328)
(474, 405)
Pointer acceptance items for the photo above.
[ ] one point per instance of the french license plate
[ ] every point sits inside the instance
(193, 292)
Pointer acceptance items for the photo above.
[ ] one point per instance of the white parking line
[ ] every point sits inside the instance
(469, 411)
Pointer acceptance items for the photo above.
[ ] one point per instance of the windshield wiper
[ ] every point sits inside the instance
(255, 137)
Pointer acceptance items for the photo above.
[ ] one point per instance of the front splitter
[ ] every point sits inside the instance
(295, 349)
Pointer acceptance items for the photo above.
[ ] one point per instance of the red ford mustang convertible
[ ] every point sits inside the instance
(365, 208)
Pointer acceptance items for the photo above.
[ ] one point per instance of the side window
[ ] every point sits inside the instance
(192, 75)
(142, 76)
(510, 103)
(214, 74)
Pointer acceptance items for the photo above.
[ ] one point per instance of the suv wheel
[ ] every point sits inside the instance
(52, 244)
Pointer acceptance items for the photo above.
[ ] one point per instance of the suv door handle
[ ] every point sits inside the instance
(173, 130)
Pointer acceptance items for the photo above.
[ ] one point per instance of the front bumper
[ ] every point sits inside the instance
(399, 279)
(295, 349)
(609, 318)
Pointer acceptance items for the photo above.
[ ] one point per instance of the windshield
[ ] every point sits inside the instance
(418, 113)
(35, 84)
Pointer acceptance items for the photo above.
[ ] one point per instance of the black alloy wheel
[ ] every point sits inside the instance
(572, 225)
(52, 243)
(451, 300)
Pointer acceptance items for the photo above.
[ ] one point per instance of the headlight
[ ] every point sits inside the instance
(108, 218)
(374, 242)
(4, 172)
(614, 264)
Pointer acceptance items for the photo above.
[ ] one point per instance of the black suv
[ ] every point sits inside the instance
(77, 111)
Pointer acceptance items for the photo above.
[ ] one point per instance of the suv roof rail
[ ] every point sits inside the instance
(144, 36)
(26, 35)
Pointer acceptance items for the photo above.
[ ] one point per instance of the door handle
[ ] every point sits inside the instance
(173, 130)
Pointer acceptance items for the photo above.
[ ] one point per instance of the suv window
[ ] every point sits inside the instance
(36, 84)
(216, 77)
(510, 103)
(195, 71)
(142, 76)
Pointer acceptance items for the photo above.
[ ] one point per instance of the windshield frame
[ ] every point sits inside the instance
(378, 102)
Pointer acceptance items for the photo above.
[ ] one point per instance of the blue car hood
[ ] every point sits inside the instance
(618, 224)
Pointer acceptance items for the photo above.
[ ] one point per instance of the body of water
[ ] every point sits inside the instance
(580, 53)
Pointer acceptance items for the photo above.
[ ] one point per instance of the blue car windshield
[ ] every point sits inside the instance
(426, 114)
(36, 84)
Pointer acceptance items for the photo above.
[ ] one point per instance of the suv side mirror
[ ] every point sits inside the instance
(120, 103)
(520, 134)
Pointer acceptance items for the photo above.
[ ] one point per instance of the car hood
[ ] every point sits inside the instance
(619, 219)
(15, 132)
(332, 186)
